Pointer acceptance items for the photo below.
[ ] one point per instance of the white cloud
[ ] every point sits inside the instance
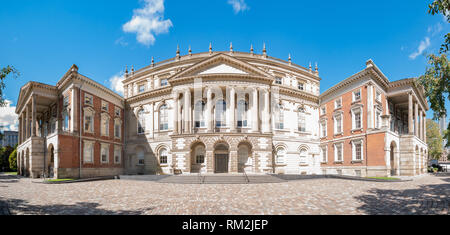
(121, 41)
(148, 22)
(238, 5)
(8, 118)
(434, 30)
(424, 44)
(116, 83)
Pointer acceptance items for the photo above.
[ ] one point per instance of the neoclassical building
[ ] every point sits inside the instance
(222, 112)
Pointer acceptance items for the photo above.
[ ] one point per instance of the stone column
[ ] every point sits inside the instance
(33, 116)
(425, 127)
(209, 161)
(233, 165)
(421, 124)
(208, 118)
(152, 123)
(175, 113)
(232, 114)
(187, 111)
(265, 125)
(370, 112)
(410, 114)
(27, 123)
(255, 111)
(416, 119)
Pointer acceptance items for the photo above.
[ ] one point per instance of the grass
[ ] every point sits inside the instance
(383, 178)
(58, 180)
(10, 173)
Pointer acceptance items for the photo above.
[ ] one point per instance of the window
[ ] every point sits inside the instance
(104, 153)
(378, 119)
(357, 118)
(88, 99)
(338, 103)
(141, 88)
(221, 108)
(323, 127)
(163, 156)
(200, 155)
(338, 124)
(117, 111)
(301, 86)
(338, 152)
(378, 96)
(104, 106)
(141, 157)
(279, 117)
(199, 114)
(303, 156)
(323, 110)
(117, 128)
(163, 118)
(324, 154)
(88, 152)
(357, 95)
(104, 130)
(117, 154)
(242, 111)
(164, 82)
(301, 119)
(278, 80)
(141, 122)
(89, 120)
(65, 121)
(357, 153)
(66, 102)
(280, 154)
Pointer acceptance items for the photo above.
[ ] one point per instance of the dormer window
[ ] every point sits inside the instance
(378, 96)
(66, 102)
(301, 86)
(88, 99)
(117, 112)
(164, 82)
(323, 110)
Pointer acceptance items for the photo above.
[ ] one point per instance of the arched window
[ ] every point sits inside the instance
(221, 110)
(163, 118)
(163, 156)
(105, 125)
(242, 110)
(279, 117)
(200, 155)
(199, 114)
(301, 119)
(141, 121)
(66, 121)
(280, 155)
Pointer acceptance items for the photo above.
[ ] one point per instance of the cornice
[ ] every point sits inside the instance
(150, 94)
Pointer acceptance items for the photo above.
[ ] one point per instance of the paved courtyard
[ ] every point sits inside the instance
(425, 195)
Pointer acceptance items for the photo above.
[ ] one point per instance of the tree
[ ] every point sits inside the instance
(4, 73)
(4, 157)
(434, 139)
(13, 160)
(436, 80)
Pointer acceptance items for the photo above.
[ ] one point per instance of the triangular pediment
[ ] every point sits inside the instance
(221, 64)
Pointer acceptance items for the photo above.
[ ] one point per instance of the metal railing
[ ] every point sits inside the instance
(245, 175)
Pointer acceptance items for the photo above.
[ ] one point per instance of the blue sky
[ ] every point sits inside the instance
(42, 39)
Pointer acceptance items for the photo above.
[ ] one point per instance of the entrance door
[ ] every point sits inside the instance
(221, 161)
(393, 165)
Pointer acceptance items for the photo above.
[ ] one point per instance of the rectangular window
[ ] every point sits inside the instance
(163, 159)
(358, 151)
(301, 86)
(200, 159)
(141, 88)
(164, 82)
(357, 95)
(324, 154)
(117, 154)
(323, 110)
(378, 96)
(117, 112)
(324, 129)
(117, 128)
(338, 153)
(358, 120)
(338, 103)
(66, 101)
(338, 120)
(88, 99)
(88, 152)
(104, 153)
(88, 123)
(105, 106)
(378, 119)
(278, 80)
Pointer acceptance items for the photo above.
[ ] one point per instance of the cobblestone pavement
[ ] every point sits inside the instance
(425, 195)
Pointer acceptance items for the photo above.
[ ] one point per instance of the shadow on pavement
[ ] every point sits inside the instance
(428, 199)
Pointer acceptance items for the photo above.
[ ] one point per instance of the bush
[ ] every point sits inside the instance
(13, 160)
